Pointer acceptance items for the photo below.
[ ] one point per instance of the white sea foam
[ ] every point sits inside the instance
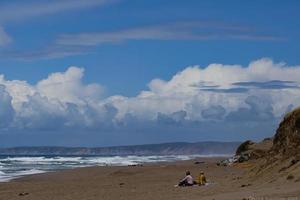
(4, 177)
(29, 172)
(24, 159)
(7, 177)
(14, 167)
(42, 160)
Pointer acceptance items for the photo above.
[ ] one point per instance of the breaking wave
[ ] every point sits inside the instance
(17, 166)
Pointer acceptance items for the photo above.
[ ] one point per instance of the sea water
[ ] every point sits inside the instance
(17, 166)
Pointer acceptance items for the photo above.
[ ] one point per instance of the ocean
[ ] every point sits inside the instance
(12, 167)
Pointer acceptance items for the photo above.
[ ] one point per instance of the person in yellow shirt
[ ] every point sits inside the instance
(201, 180)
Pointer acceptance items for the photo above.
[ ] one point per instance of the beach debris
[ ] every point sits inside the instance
(246, 185)
(290, 177)
(234, 159)
(249, 198)
(199, 162)
(228, 161)
(236, 178)
(136, 165)
(243, 157)
(23, 193)
(122, 184)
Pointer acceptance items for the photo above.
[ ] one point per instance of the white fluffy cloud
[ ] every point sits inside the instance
(261, 91)
(203, 92)
(61, 100)
(6, 109)
(67, 87)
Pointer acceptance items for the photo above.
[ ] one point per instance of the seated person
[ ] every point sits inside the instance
(187, 181)
(201, 180)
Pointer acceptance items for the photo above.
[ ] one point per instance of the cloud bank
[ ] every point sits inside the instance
(196, 102)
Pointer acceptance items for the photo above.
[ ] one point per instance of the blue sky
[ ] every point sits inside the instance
(126, 49)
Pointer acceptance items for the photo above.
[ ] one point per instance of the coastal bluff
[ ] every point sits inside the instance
(278, 155)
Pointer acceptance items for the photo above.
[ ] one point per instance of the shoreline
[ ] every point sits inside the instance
(149, 181)
(128, 160)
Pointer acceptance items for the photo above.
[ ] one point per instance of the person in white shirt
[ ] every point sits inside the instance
(187, 180)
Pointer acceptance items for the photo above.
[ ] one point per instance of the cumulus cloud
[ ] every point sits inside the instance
(214, 112)
(173, 118)
(258, 109)
(63, 102)
(6, 109)
(68, 87)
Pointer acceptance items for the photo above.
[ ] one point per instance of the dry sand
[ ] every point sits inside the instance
(149, 182)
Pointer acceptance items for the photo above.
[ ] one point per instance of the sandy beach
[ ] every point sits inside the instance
(149, 182)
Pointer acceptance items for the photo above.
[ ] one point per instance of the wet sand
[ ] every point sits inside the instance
(148, 182)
